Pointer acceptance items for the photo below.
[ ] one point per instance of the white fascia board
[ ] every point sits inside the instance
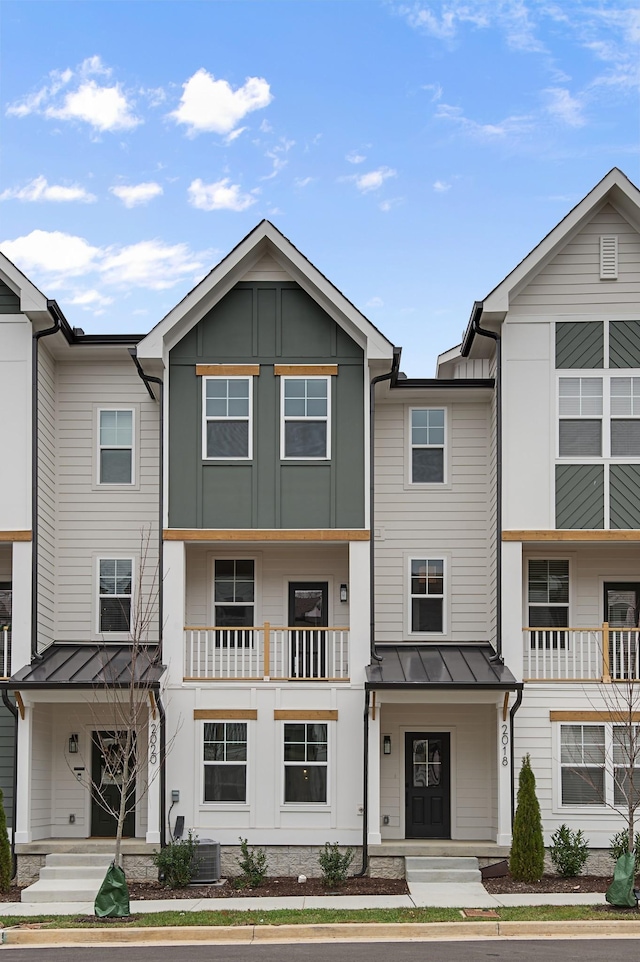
(621, 191)
(446, 358)
(31, 299)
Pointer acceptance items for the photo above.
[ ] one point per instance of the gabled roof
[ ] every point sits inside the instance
(263, 239)
(615, 188)
(31, 299)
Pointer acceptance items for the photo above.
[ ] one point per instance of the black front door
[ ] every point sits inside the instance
(427, 785)
(106, 751)
(308, 606)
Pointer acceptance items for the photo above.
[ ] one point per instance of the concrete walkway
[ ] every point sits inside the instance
(422, 895)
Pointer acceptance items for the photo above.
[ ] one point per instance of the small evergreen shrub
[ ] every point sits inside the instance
(5, 850)
(177, 862)
(527, 849)
(253, 863)
(569, 851)
(334, 864)
(620, 844)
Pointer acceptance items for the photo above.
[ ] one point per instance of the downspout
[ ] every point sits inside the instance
(365, 797)
(14, 803)
(54, 311)
(163, 773)
(514, 708)
(390, 375)
(147, 381)
(483, 332)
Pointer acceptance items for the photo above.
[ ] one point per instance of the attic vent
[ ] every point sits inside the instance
(609, 257)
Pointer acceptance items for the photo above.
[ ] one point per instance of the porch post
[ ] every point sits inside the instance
(503, 836)
(359, 613)
(24, 749)
(513, 619)
(174, 610)
(373, 836)
(21, 605)
(153, 777)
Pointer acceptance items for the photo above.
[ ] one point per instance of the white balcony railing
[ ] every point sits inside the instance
(582, 654)
(266, 653)
(5, 652)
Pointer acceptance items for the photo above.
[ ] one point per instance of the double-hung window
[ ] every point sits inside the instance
(427, 595)
(596, 763)
(234, 601)
(225, 761)
(227, 404)
(427, 445)
(548, 601)
(115, 446)
(625, 417)
(115, 581)
(305, 762)
(580, 409)
(306, 405)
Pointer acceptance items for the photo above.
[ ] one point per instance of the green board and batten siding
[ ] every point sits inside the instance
(9, 302)
(266, 323)
(579, 496)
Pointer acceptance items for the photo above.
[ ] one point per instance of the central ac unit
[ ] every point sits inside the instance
(206, 862)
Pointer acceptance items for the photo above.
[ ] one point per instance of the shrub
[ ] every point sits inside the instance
(5, 850)
(527, 849)
(253, 863)
(620, 844)
(334, 864)
(569, 851)
(177, 861)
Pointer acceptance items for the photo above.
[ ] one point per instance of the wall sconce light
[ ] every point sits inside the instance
(73, 744)
(386, 744)
(344, 593)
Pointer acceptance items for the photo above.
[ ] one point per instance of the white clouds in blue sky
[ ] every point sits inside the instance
(414, 151)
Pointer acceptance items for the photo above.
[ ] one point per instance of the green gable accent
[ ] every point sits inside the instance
(624, 495)
(9, 302)
(579, 496)
(579, 344)
(624, 344)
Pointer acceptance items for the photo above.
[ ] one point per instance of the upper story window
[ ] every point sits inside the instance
(115, 582)
(427, 595)
(427, 445)
(548, 593)
(115, 446)
(227, 406)
(306, 405)
(625, 417)
(585, 403)
(234, 596)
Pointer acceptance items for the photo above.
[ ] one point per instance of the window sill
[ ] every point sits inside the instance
(224, 807)
(305, 807)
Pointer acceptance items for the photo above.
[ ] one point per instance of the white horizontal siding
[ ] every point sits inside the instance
(266, 269)
(41, 771)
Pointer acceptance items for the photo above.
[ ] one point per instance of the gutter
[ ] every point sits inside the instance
(473, 329)
(163, 772)
(148, 381)
(14, 802)
(512, 713)
(365, 797)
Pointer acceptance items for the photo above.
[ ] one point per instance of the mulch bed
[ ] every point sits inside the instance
(548, 883)
(271, 888)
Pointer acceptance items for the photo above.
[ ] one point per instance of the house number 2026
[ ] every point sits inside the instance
(504, 741)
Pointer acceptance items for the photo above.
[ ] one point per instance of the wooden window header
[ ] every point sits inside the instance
(225, 714)
(575, 534)
(295, 714)
(265, 534)
(613, 715)
(15, 536)
(227, 370)
(305, 370)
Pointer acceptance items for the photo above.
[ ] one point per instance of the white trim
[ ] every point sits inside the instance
(206, 418)
(451, 730)
(225, 806)
(308, 806)
(116, 636)
(446, 447)
(307, 417)
(257, 572)
(427, 555)
(100, 409)
(607, 807)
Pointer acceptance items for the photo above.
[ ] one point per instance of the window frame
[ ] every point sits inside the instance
(428, 557)
(562, 639)
(284, 418)
(430, 447)
(607, 804)
(326, 764)
(117, 636)
(235, 805)
(607, 376)
(100, 409)
(600, 418)
(206, 418)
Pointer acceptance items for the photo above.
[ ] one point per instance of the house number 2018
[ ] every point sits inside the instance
(505, 745)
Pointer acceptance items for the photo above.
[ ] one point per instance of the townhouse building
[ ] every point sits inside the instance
(340, 559)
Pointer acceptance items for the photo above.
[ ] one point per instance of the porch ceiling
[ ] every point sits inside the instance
(89, 666)
(440, 666)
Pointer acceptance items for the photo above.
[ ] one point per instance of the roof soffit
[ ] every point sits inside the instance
(32, 301)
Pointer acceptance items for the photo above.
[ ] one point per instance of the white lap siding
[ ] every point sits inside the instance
(41, 771)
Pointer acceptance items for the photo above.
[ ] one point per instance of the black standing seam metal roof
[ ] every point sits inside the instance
(446, 666)
(89, 666)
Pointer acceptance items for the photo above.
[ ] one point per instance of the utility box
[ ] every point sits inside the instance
(206, 862)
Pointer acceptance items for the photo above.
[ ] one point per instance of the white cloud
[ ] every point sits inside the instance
(375, 302)
(213, 106)
(278, 157)
(443, 19)
(52, 253)
(441, 186)
(374, 179)
(150, 264)
(234, 134)
(40, 189)
(221, 195)
(564, 107)
(508, 126)
(303, 181)
(389, 203)
(435, 90)
(90, 299)
(355, 158)
(132, 195)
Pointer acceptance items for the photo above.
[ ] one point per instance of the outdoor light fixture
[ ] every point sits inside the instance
(73, 744)
(344, 593)
(386, 744)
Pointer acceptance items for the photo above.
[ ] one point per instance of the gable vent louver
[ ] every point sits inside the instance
(609, 257)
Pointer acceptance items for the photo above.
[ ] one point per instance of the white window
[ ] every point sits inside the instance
(582, 764)
(548, 601)
(427, 445)
(225, 761)
(115, 446)
(115, 582)
(426, 595)
(580, 409)
(234, 601)
(625, 417)
(305, 762)
(306, 405)
(226, 428)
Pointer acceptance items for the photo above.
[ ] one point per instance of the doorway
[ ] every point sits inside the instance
(427, 785)
(622, 613)
(308, 611)
(107, 751)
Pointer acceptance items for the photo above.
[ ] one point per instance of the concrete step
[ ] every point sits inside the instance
(74, 872)
(71, 858)
(61, 890)
(451, 861)
(433, 876)
(428, 870)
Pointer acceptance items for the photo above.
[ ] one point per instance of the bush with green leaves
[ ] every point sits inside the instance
(253, 863)
(334, 864)
(619, 844)
(178, 861)
(527, 848)
(5, 850)
(569, 851)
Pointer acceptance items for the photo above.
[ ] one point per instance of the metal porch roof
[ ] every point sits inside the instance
(89, 666)
(440, 666)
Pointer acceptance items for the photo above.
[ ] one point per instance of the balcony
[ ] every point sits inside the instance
(266, 653)
(582, 654)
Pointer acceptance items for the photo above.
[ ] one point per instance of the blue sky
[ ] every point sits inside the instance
(414, 151)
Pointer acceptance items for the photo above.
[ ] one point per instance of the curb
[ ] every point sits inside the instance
(338, 932)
